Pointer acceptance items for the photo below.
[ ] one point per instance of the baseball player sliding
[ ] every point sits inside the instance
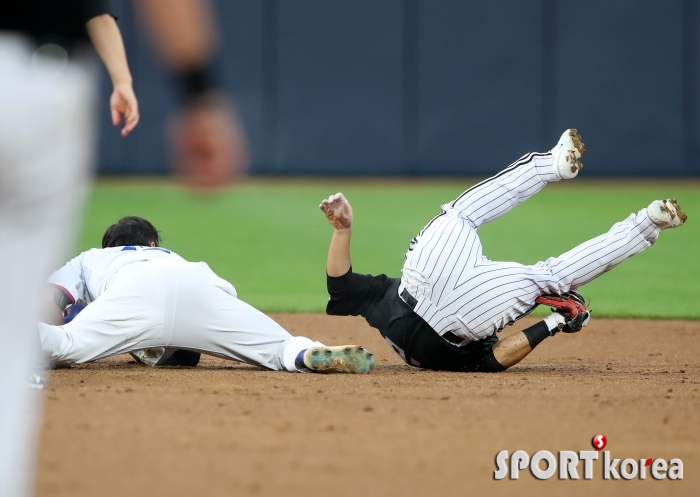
(445, 310)
(140, 296)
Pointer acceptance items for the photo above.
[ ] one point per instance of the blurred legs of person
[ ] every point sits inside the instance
(46, 138)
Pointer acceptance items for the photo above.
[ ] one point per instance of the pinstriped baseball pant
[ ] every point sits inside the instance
(459, 290)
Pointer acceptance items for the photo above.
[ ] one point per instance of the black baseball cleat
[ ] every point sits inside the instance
(162, 356)
(339, 359)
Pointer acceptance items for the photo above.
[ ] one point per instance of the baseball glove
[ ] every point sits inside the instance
(570, 305)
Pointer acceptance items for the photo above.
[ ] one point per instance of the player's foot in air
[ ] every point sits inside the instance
(339, 359)
(338, 211)
(666, 213)
(566, 154)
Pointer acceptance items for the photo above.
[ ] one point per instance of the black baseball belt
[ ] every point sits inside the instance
(411, 302)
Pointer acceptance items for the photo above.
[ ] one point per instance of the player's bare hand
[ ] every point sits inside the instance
(338, 211)
(123, 103)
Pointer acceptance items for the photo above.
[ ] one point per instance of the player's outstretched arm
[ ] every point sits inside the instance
(339, 213)
(107, 40)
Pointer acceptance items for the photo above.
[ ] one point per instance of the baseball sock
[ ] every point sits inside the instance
(299, 361)
(544, 329)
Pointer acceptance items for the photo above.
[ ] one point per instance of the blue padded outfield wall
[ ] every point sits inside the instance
(438, 87)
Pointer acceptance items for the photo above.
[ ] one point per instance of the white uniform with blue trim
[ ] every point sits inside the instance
(147, 297)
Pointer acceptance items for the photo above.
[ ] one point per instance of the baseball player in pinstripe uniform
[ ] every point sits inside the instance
(445, 310)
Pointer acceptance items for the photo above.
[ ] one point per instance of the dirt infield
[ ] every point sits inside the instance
(114, 428)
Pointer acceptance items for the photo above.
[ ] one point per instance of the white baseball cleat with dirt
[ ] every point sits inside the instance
(566, 154)
(666, 213)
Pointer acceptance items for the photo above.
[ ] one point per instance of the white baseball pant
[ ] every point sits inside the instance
(459, 290)
(175, 304)
(46, 132)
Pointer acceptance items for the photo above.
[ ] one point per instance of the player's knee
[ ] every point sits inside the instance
(486, 362)
(55, 344)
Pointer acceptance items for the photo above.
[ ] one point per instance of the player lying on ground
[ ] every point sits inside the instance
(450, 302)
(140, 296)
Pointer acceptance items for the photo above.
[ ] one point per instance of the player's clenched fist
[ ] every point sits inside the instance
(338, 211)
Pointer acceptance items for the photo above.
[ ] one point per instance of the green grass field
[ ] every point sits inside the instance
(270, 240)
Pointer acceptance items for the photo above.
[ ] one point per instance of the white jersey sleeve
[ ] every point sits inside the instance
(87, 276)
(71, 279)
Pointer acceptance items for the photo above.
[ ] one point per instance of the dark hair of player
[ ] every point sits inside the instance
(131, 230)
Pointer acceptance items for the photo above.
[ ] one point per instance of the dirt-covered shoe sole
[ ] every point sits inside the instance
(666, 213)
(578, 144)
(567, 153)
(157, 356)
(674, 208)
(339, 359)
(148, 357)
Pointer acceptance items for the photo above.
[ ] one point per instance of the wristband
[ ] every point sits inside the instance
(195, 81)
